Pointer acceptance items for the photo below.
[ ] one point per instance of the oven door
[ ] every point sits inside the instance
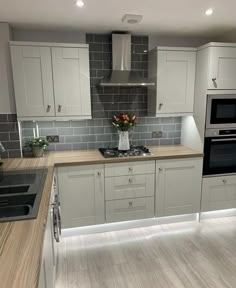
(221, 111)
(219, 155)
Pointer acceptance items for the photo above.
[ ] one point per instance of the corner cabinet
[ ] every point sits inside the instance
(173, 71)
(81, 190)
(178, 186)
(222, 66)
(51, 80)
(218, 193)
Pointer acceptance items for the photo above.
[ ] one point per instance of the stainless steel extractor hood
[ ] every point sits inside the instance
(121, 74)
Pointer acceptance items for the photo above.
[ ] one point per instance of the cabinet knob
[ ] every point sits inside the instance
(59, 108)
(160, 169)
(99, 173)
(224, 181)
(130, 180)
(130, 169)
(49, 108)
(214, 79)
(130, 204)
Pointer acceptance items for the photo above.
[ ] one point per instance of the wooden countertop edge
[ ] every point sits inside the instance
(30, 263)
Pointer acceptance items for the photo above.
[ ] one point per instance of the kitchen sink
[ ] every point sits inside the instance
(20, 194)
(14, 189)
(15, 211)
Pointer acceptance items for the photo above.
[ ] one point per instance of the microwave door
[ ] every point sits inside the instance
(221, 112)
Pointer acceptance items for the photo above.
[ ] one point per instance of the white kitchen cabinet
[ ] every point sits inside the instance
(51, 81)
(81, 190)
(71, 81)
(222, 68)
(173, 71)
(32, 71)
(48, 265)
(218, 193)
(178, 186)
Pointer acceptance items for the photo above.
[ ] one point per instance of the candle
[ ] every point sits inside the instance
(37, 129)
(34, 132)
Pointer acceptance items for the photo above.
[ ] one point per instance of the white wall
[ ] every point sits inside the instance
(48, 36)
(177, 41)
(7, 99)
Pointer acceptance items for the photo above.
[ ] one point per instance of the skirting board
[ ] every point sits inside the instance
(127, 225)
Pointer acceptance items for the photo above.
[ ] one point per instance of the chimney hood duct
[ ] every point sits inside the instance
(121, 74)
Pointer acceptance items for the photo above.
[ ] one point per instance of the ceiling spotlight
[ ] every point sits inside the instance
(209, 12)
(80, 3)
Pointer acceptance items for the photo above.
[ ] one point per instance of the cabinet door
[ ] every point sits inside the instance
(218, 193)
(81, 191)
(48, 252)
(42, 279)
(175, 81)
(71, 81)
(32, 71)
(222, 69)
(178, 187)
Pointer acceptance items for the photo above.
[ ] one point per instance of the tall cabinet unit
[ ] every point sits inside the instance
(51, 81)
(173, 71)
(81, 190)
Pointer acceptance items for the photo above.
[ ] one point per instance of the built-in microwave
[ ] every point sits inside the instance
(221, 111)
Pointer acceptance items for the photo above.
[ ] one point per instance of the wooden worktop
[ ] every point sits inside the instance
(21, 242)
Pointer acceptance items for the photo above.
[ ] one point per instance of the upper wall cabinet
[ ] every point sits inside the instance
(173, 71)
(51, 80)
(222, 68)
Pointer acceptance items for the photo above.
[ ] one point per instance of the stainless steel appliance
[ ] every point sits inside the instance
(219, 151)
(121, 74)
(134, 151)
(221, 111)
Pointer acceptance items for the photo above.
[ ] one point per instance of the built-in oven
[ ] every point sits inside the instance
(219, 151)
(221, 111)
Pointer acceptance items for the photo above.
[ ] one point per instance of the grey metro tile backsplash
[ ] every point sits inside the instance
(9, 136)
(96, 133)
(106, 101)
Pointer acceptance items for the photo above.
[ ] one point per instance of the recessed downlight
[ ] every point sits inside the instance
(80, 3)
(209, 12)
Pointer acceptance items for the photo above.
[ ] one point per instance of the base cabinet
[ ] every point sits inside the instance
(178, 187)
(48, 265)
(81, 190)
(218, 193)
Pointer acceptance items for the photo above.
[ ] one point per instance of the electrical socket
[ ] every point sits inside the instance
(156, 134)
(52, 138)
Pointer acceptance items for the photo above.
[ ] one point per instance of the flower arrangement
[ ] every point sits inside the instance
(37, 142)
(124, 121)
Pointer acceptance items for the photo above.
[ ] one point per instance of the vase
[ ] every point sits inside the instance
(123, 141)
(37, 151)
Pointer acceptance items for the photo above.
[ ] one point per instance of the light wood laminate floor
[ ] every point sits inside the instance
(191, 255)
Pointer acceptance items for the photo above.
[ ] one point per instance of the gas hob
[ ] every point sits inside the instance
(134, 151)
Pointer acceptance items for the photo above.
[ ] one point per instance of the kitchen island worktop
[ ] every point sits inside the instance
(21, 242)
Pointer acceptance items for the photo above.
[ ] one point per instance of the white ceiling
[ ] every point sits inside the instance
(185, 17)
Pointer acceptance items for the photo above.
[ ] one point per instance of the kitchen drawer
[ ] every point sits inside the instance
(129, 186)
(129, 209)
(129, 168)
(218, 193)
